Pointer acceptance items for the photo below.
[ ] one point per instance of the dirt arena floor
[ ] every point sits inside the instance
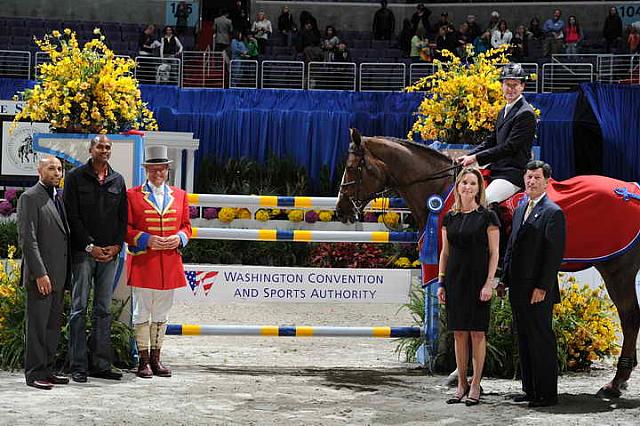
(312, 381)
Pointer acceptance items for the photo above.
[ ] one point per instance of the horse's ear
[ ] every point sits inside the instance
(355, 136)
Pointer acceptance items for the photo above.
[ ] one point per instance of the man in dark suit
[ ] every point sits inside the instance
(531, 264)
(44, 239)
(508, 149)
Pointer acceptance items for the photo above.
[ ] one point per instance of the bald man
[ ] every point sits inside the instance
(43, 235)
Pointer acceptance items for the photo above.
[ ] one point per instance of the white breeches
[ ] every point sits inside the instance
(151, 305)
(499, 190)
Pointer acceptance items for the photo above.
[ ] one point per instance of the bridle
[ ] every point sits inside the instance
(359, 204)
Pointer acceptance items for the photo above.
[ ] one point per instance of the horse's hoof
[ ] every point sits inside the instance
(608, 393)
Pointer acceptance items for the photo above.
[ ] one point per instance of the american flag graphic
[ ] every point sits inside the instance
(201, 279)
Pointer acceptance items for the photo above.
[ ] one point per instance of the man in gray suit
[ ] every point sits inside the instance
(43, 235)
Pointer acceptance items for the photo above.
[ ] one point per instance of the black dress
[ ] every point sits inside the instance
(467, 268)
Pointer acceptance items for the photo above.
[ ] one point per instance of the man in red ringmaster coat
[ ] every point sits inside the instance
(158, 226)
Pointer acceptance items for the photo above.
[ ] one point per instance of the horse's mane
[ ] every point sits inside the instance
(420, 147)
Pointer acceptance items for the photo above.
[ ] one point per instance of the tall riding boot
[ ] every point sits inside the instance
(142, 339)
(157, 335)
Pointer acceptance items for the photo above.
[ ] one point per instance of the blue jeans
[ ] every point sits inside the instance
(88, 272)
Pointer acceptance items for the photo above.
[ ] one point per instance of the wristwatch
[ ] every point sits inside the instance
(89, 248)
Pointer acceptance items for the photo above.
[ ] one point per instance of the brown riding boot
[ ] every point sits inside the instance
(144, 369)
(156, 366)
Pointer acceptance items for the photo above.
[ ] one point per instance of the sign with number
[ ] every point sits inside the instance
(176, 10)
(630, 14)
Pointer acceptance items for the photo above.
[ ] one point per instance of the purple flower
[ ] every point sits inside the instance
(370, 217)
(193, 212)
(6, 208)
(210, 213)
(11, 194)
(311, 216)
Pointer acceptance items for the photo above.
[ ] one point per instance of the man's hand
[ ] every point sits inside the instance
(98, 254)
(538, 295)
(44, 285)
(172, 242)
(501, 291)
(111, 251)
(156, 242)
(442, 298)
(486, 292)
(467, 160)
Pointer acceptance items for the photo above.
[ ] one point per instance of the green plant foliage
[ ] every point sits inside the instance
(408, 346)
(9, 237)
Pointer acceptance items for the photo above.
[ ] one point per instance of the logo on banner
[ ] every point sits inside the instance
(201, 280)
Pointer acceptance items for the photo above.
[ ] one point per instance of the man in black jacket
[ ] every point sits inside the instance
(508, 149)
(95, 198)
(531, 264)
(384, 23)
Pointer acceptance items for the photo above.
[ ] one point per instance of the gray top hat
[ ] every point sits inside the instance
(156, 154)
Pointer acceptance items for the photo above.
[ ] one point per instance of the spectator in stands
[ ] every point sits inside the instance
(520, 44)
(147, 43)
(612, 30)
(420, 19)
(443, 21)
(482, 43)
(252, 45)
(239, 18)
(308, 43)
(553, 34)
(341, 54)
(404, 39)
(308, 17)
(262, 29)
(182, 16)
(464, 38)
(170, 46)
(222, 30)
(286, 26)
(445, 41)
(572, 35)
(534, 29)
(329, 42)
(473, 27)
(419, 46)
(384, 23)
(501, 36)
(633, 40)
(239, 49)
(494, 20)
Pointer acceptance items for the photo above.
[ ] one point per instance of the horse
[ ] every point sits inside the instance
(376, 165)
(25, 149)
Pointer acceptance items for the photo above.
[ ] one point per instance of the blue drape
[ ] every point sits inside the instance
(617, 109)
(11, 86)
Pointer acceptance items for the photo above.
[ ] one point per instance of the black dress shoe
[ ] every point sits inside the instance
(79, 377)
(40, 384)
(543, 402)
(523, 397)
(58, 380)
(107, 374)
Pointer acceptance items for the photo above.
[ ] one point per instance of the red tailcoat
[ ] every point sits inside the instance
(156, 269)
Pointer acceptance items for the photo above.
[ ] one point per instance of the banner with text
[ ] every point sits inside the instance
(240, 284)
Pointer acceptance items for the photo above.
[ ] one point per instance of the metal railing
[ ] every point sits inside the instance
(562, 77)
(154, 70)
(15, 64)
(243, 74)
(381, 77)
(40, 58)
(618, 69)
(420, 70)
(203, 69)
(282, 75)
(331, 76)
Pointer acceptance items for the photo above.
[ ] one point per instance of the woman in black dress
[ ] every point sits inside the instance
(468, 262)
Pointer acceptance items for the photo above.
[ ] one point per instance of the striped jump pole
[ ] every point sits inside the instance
(292, 331)
(304, 236)
(267, 201)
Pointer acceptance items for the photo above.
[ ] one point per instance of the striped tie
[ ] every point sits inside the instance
(529, 210)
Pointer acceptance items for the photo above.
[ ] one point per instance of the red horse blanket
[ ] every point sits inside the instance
(603, 219)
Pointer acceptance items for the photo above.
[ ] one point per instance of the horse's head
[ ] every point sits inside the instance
(363, 180)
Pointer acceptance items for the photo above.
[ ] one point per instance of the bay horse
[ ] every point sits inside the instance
(376, 165)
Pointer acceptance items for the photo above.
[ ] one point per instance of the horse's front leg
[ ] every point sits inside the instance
(621, 287)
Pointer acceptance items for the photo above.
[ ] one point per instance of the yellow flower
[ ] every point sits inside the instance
(295, 215)
(243, 214)
(55, 33)
(325, 215)
(391, 219)
(262, 215)
(226, 214)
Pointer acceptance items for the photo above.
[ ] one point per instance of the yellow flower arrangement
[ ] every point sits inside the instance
(325, 215)
(402, 262)
(243, 214)
(295, 215)
(464, 98)
(391, 219)
(85, 89)
(11, 292)
(263, 215)
(226, 214)
(585, 324)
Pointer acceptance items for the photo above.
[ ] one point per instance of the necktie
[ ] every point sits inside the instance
(529, 210)
(506, 110)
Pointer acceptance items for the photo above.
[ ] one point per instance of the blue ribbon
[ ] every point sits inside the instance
(429, 249)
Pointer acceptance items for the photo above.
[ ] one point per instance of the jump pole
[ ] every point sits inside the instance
(278, 201)
(292, 331)
(304, 236)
